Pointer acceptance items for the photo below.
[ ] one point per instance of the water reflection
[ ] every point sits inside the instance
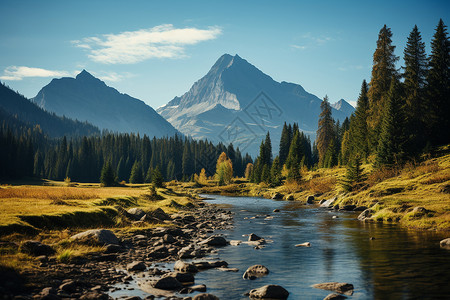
(397, 264)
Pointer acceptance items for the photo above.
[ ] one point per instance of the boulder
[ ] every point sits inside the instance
(183, 267)
(365, 215)
(270, 291)
(205, 297)
(198, 288)
(136, 213)
(159, 214)
(276, 210)
(348, 207)
(214, 241)
(334, 297)
(167, 283)
(203, 265)
(305, 244)
(136, 266)
(445, 243)
(310, 199)
(36, 248)
(277, 196)
(69, 287)
(183, 278)
(290, 197)
(255, 271)
(96, 236)
(158, 252)
(253, 237)
(340, 287)
(113, 248)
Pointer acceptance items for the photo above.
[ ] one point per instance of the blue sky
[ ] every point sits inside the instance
(155, 50)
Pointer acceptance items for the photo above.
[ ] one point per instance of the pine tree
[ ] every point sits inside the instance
(383, 71)
(414, 75)
(136, 173)
(359, 142)
(275, 172)
(149, 174)
(187, 161)
(392, 139)
(107, 176)
(354, 175)
(325, 131)
(285, 143)
(438, 92)
(157, 178)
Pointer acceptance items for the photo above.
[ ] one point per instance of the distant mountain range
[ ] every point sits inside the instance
(18, 111)
(236, 102)
(87, 98)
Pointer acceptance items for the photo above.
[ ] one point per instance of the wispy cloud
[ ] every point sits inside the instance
(20, 72)
(299, 47)
(308, 41)
(112, 76)
(164, 41)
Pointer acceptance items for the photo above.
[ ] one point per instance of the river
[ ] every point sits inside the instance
(397, 264)
(382, 261)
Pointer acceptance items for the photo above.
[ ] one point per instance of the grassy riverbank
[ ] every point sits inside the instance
(51, 212)
(392, 195)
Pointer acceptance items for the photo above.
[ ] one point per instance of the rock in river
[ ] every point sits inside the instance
(254, 237)
(214, 241)
(136, 266)
(306, 244)
(334, 297)
(184, 267)
(340, 287)
(167, 283)
(445, 243)
(255, 271)
(310, 199)
(205, 297)
(270, 291)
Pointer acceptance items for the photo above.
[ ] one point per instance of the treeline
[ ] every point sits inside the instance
(27, 152)
(295, 153)
(401, 114)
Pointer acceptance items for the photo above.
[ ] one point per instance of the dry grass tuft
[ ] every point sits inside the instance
(322, 185)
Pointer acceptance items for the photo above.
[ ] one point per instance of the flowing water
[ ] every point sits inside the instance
(396, 264)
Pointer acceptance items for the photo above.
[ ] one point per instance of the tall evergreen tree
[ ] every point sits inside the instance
(383, 71)
(438, 92)
(107, 176)
(285, 143)
(157, 178)
(392, 138)
(415, 72)
(359, 131)
(136, 173)
(325, 131)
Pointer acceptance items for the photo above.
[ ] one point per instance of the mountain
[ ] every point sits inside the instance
(89, 99)
(236, 102)
(16, 109)
(343, 106)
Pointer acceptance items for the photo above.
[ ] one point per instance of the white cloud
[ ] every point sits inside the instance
(164, 41)
(112, 76)
(299, 47)
(20, 72)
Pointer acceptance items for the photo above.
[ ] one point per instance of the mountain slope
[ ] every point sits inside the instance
(236, 102)
(16, 107)
(90, 99)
